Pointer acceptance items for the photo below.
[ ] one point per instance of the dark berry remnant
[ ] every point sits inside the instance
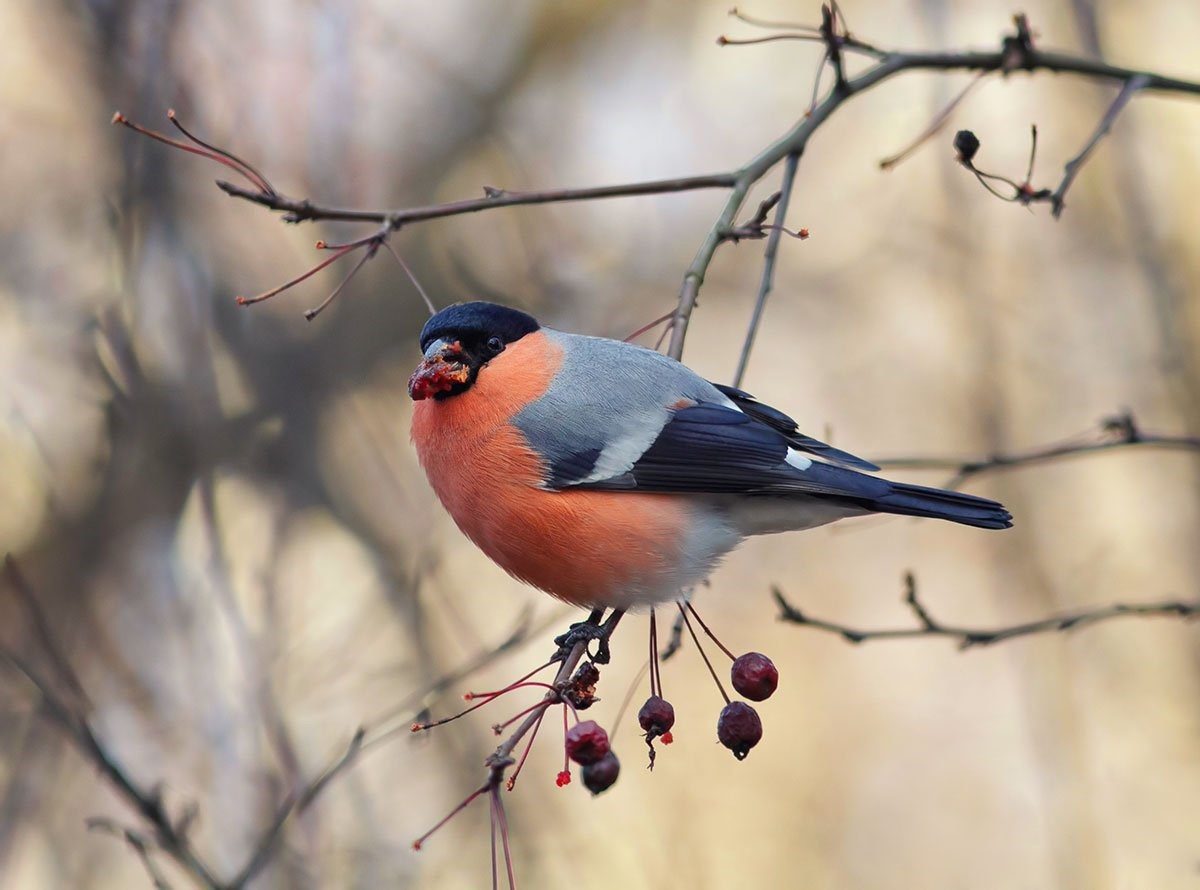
(739, 728)
(754, 676)
(966, 144)
(602, 775)
(587, 742)
(656, 717)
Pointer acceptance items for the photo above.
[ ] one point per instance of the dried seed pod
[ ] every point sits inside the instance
(966, 144)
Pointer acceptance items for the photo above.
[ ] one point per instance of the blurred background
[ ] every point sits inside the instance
(225, 523)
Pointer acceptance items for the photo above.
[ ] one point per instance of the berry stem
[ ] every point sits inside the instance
(359, 242)
(512, 780)
(710, 634)
(212, 154)
(488, 697)
(454, 812)
(495, 864)
(419, 727)
(499, 727)
(703, 655)
(266, 295)
(244, 167)
(498, 808)
(372, 247)
(633, 685)
(655, 678)
(413, 278)
(519, 684)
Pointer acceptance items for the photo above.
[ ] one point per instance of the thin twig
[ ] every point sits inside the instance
(41, 628)
(759, 22)
(794, 141)
(1073, 166)
(967, 638)
(294, 804)
(935, 126)
(170, 837)
(1016, 53)
(413, 278)
(303, 210)
(140, 845)
(833, 43)
(768, 272)
(703, 654)
(1118, 431)
(674, 641)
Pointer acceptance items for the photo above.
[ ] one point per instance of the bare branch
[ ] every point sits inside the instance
(833, 44)
(140, 845)
(768, 272)
(1076, 163)
(1017, 53)
(674, 641)
(1118, 431)
(170, 837)
(41, 628)
(939, 121)
(295, 803)
(303, 210)
(967, 638)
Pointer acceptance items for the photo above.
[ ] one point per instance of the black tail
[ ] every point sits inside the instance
(937, 503)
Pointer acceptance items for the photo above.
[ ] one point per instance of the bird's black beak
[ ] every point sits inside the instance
(442, 368)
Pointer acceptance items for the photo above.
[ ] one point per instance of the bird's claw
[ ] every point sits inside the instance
(581, 632)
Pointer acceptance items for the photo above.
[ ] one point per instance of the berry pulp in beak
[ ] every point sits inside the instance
(440, 371)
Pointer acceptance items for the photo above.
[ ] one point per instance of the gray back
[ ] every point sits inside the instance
(606, 406)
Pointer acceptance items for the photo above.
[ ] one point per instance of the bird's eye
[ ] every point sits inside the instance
(495, 344)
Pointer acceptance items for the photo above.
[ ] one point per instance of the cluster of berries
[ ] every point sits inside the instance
(587, 744)
(739, 728)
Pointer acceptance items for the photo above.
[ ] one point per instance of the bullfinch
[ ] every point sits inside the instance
(612, 476)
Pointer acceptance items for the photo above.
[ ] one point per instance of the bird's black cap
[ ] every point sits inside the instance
(478, 320)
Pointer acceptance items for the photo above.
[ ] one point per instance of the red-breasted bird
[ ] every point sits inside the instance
(609, 475)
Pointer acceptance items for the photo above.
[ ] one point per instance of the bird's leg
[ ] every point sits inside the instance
(579, 632)
(603, 656)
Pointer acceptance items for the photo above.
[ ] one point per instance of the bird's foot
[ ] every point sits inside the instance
(585, 632)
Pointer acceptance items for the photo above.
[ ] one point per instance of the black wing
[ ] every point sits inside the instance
(785, 425)
(713, 449)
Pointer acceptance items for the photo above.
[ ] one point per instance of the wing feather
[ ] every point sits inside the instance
(776, 419)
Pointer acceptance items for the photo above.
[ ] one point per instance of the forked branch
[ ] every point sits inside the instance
(971, 637)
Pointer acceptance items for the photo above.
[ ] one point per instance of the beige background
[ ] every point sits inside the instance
(226, 523)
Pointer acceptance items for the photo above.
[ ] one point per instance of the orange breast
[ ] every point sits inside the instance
(587, 547)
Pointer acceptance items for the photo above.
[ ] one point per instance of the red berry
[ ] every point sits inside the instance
(754, 676)
(601, 775)
(563, 778)
(656, 717)
(739, 728)
(587, 742)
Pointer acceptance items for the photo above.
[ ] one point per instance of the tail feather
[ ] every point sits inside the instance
(938, 503)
